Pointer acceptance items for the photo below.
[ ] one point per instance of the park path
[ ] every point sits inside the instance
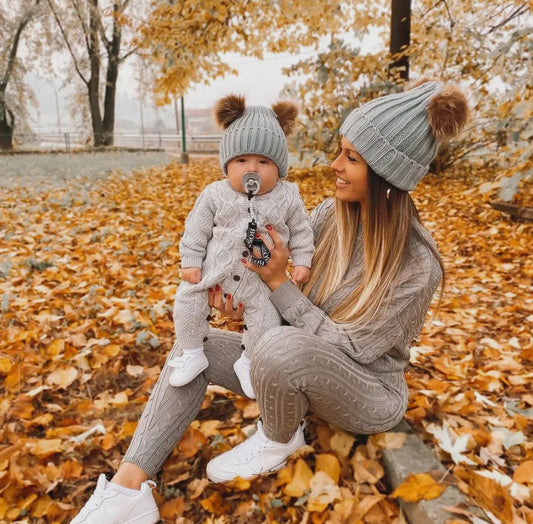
(45, 171)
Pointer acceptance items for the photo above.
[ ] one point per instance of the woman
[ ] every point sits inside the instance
(374, 272)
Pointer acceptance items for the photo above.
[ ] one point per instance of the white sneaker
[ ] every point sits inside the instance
(255, 456)
(187, 367)
(242, 370)
(109, 506)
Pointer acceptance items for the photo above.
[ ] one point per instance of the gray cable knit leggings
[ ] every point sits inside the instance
(292, 372)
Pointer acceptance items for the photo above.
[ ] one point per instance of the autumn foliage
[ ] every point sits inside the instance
(87, 279)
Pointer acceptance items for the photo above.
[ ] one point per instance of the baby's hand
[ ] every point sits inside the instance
(300, 274)
(192, 275)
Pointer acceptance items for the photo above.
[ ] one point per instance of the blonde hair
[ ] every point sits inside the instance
(387, 227)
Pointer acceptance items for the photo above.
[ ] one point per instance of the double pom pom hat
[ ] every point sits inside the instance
(254, 130)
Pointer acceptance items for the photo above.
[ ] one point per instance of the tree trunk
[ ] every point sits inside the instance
(113, 62)
(400, 38)
(7, 118)
(93, 86)
(6, 127)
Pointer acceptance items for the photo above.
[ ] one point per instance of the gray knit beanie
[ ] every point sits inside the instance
(398, 134)
(254, 130)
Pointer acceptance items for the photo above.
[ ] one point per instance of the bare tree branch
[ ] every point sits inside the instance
(517, 12)
(28, 15)
(69, 47)
(128, 54)
(13, 53)
(82, 22)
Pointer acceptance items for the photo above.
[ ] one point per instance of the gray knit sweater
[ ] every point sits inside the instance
(215, 228)
(382, 346)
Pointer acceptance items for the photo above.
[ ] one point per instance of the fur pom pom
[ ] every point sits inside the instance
(286, 113)
(447, 113)
(228, 109)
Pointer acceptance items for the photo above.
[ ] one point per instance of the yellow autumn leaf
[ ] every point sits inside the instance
(389, 439)
(324, 491)
(215, 504)
(45, 447)
(418, 487)
(134, 371)
(301, 477)
(5, 365)
(62, 378)
(120, 399)
(341, 443)
(55, 348)
(328, 464)
(524, 473)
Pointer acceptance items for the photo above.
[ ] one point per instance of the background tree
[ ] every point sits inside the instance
(400, 38)
(14, 21)
(93, 32)
(485, 48)
(187, 40)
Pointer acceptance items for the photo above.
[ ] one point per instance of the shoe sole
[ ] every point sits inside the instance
(152, 517)
(263, 474)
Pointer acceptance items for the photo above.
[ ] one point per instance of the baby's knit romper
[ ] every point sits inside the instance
(214, 241)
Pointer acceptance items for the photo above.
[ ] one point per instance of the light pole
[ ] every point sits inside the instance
(184, 158)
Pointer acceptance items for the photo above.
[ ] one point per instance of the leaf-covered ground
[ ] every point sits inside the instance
(87, 279)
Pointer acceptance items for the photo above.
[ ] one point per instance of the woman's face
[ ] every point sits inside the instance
(352, 174)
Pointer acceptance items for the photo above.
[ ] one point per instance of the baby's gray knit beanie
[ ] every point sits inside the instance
(398, 134)
(254, 130)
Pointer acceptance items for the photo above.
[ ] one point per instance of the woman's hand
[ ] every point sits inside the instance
(274, 272)
(215, 298)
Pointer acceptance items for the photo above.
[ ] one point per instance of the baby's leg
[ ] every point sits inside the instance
(259, 317)
(191, 324)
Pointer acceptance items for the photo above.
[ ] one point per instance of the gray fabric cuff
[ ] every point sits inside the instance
(302, 260)
(191, 261)
(285, 296)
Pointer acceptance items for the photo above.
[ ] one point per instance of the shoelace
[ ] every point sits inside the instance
(251, 449)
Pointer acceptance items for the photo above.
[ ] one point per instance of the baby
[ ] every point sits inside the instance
(222, 229)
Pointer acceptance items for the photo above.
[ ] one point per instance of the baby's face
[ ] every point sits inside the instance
(264, 167)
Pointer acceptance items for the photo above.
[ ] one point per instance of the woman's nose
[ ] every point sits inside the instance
(336, 164)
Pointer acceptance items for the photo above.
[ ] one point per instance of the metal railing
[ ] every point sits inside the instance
(75, 140)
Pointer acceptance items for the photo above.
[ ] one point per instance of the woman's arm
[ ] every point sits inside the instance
(396, 326)
(398, 322)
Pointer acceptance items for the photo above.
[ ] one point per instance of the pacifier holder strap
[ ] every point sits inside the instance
(252, 242)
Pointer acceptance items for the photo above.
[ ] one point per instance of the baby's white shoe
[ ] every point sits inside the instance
(242, 370)
(187, 367)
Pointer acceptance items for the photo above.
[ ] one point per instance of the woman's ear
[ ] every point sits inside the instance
(286, 113)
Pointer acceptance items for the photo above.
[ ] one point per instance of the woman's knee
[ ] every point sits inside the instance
(278, 353)
(280, 339)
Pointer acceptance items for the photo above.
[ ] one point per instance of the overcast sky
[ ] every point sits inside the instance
(259, 80)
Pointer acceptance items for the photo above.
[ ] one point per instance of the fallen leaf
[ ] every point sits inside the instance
(191, 442)
(172, 508)
(456, 448)
(62, 378)
(324, 491)
(389, 439)
(524, 473)
(215, 504)
(418, 487)
(328, 464)
(301, 477)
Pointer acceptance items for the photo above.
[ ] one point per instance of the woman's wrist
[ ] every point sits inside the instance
(277, 282)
